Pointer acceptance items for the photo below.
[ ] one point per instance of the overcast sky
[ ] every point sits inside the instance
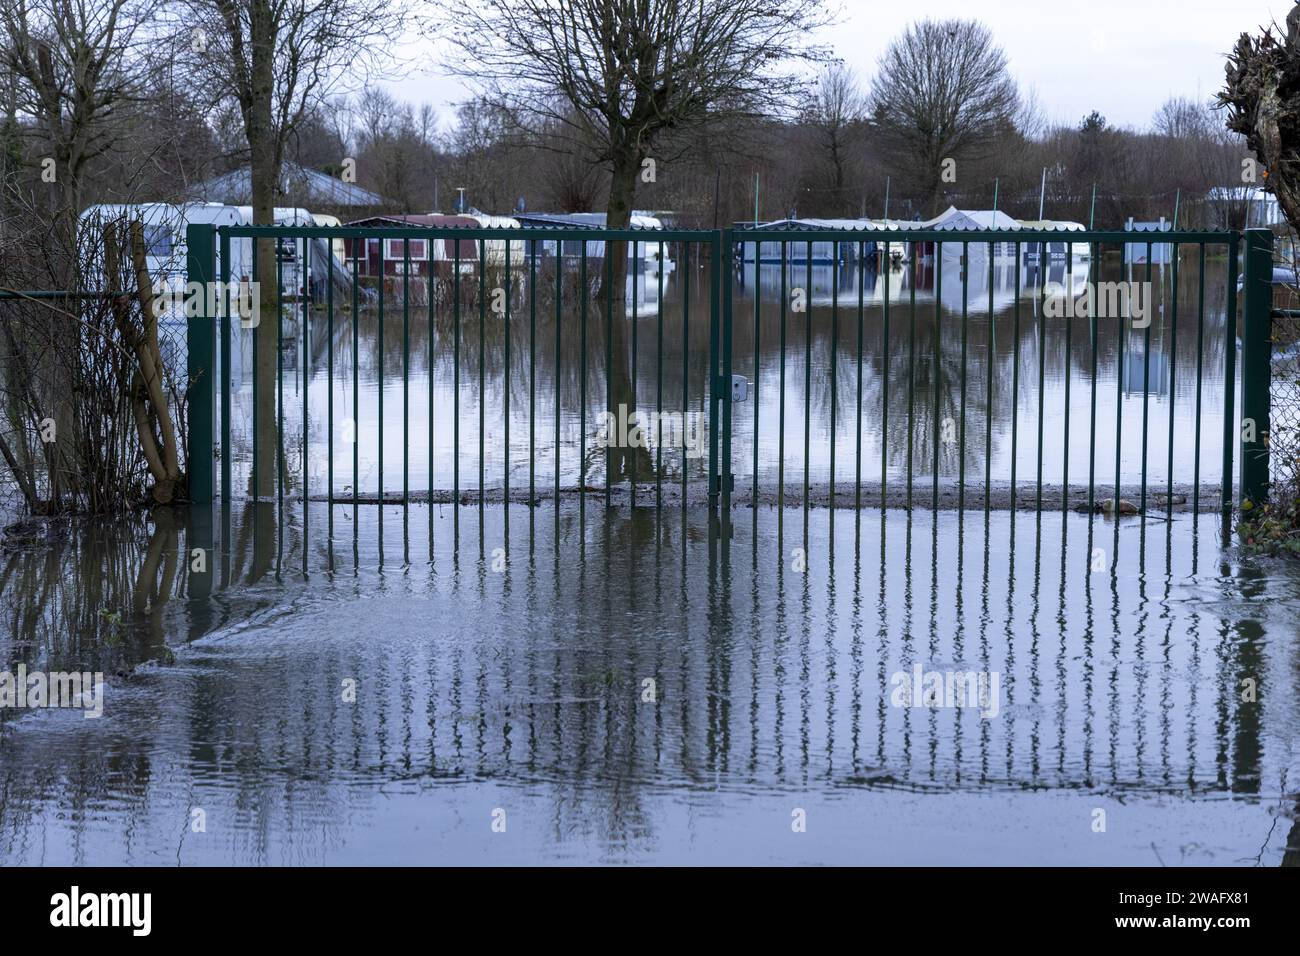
(1121, 57)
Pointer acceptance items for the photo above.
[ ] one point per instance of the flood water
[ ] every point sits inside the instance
(628, 687)
(451, 389)
(560, 683)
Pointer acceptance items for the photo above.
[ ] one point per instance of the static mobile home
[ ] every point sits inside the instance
(1056, 250)
(374, 256)
(644, 255)
(494, 250)
(164, 237)
(844, 252)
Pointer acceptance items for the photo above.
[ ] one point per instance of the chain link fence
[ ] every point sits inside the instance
(1284, 435)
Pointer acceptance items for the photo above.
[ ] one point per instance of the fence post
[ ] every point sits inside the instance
(200, 341)
(715, 321)
(1256, 367)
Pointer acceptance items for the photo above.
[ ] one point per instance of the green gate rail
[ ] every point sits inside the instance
(726, 265)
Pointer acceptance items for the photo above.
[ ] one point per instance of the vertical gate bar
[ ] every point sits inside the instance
(432, 324)
(356, 359)
(636, 324)
(383, 280)
(1229, 374)
(938, 365)
(1173, 365)
(1256, 367)
(559, 287)
(911, 365)
(861, 272)
(659, 390)
(255, 289)
(279, 371)
(1200, 371)
(807, 370)
(609, 369)
(965, 323)
(1069, 337)
(582, 381)
(532, 369)
(882, 270)
(834, 359)
(1040, 305)
(455, 383)
(1124, 333)
(686, 356)
(727, 291)
(990, 356)
(715, 253)
(329, 373)
(780, 426)
(255, 292)
(1146, 383)
(304, 363)
(1095, 264)
(1015, 376)
(505, 408)
(406, 371)
(225, 366)
(758, 259)
(200, 337)
(482, 367)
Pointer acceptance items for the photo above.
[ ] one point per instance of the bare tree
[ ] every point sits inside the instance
(622, 75)
(628, 72)
(942, 92)
(836, 115)
(278, 61)
(73, 65)
(1180, 117)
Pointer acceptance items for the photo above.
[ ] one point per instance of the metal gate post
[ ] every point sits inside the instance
(1256, 367)
(715, 310)
(200, 339)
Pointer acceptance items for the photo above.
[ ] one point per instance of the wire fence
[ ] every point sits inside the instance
(1284, 437)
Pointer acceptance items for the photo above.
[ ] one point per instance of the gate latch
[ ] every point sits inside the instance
(739, 388)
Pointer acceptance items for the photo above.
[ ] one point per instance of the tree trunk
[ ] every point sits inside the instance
(265, 174)
(618, 215)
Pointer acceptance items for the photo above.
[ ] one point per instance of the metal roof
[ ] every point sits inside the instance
(310, 185)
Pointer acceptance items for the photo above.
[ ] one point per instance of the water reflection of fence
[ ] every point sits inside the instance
(1111, 682)
(938, 382)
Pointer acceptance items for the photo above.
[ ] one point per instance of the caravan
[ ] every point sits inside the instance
(164, 237)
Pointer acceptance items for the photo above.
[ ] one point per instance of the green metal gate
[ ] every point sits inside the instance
(712, 269)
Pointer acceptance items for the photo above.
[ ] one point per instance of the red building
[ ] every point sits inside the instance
(378, 256)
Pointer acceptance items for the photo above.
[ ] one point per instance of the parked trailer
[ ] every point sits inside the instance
(377, 255)
(643, 255)
(164, 237)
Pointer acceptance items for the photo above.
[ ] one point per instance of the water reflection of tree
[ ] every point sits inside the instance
(96, 598)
